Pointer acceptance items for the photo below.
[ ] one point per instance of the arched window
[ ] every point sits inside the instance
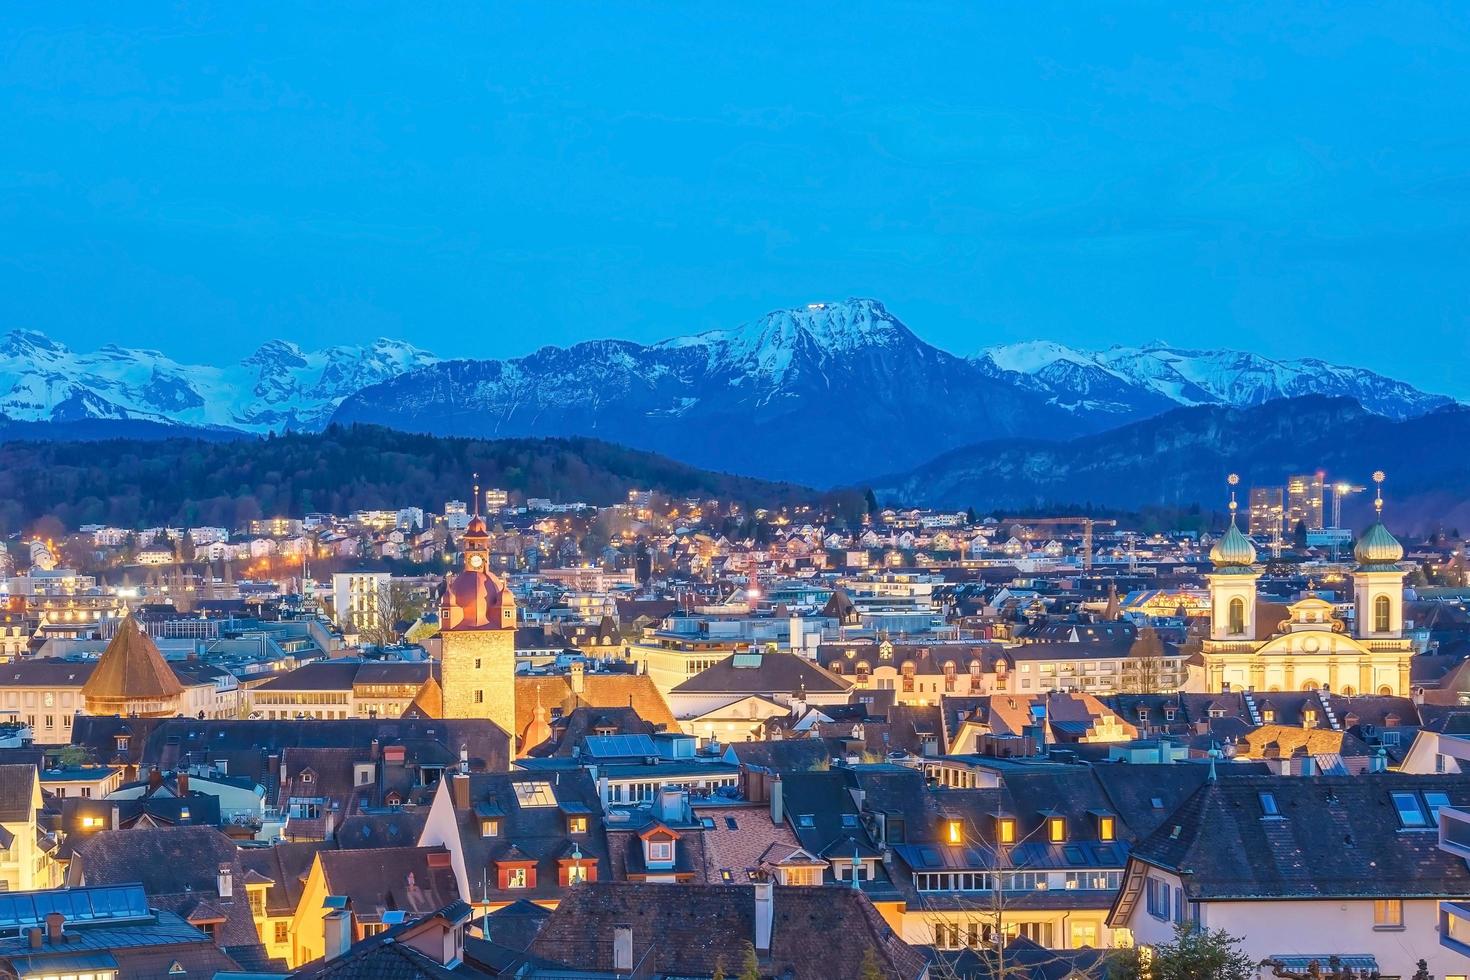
(1381, 614)
(1236, 624)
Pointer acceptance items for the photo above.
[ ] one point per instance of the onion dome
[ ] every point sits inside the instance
(1233, 551)
(1377, 550)
(1377, 547)
(476, 537)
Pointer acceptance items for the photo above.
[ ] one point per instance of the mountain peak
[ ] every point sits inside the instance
(24, 343)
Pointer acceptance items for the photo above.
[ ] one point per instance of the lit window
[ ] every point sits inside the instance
(576, 873)
(1005, 830)
(576, 825)
(1056, 829)
(1388, 913)
(1410, 814)
(1107, 828)
(515, 878)
(1381, 609)
(955, 832)
(489, 828)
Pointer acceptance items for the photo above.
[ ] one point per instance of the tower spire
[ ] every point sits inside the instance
(1233, 479)
(477, 494)
(1378, 493)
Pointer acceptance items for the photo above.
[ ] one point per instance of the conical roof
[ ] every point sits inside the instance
(1234, 550)
(132, 667)
(1377, 548)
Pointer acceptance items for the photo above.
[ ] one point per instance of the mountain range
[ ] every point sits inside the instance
(1182, 458)
(825, 395)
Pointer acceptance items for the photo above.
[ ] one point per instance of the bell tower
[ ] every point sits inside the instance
(1378, 582)
(1233, 582)
(477, 623)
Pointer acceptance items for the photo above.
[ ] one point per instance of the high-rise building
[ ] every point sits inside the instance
(1267, 511)
(496, 499)
(1304, 501)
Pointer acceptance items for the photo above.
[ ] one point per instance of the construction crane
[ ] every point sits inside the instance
(1086, 523)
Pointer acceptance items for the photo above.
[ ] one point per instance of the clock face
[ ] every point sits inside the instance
(476, 561)
(50, 699)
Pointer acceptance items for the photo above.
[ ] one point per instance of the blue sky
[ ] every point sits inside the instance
(482, 179)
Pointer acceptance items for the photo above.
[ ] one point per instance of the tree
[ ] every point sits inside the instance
(74, 757)
(870, 969)
(1195, 954)
(1299, 536)
(871, 500)
(719, 973)
(750, 967)
(1144, 668)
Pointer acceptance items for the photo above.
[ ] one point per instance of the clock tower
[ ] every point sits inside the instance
(477, 624)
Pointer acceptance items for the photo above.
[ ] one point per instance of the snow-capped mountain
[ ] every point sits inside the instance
(278, 387)
(812, 394)
(1137, 382)
(823, 394)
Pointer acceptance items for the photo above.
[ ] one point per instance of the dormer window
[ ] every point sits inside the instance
(489, 827)
(1107, 827)
(576, 825)
(1005, 830)
(1056, 829)
(1268, 715)
(1309, 717)
(306, 777)
(1169, 712)
(954, 831)
(660, 850)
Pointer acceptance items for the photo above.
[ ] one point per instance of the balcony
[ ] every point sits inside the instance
(1454, 831)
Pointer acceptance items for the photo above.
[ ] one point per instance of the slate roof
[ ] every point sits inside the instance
(17, 790)
(287, 865)
(778, 672)
(687, 929)
(417, 880)
(1336, 837)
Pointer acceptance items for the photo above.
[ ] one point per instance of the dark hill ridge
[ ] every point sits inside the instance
(1183, 456)
(135, 482)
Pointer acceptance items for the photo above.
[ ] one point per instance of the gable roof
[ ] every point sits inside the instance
(764, 673)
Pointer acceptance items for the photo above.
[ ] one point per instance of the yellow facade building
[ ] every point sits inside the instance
(1313, 648)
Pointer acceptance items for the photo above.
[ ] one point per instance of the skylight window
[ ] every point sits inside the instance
(1268, 805)
(1434, 799)
(1410, 813)
(806, 821)
(534, 794)
(849, 820)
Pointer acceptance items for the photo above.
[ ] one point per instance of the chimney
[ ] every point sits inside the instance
(765, 912)
(116, 817)
(459, 788)
(155, 779)
(183, 781)
(225, 881)
(336, 933)
(55, 934)
(577, 678)
(273, 765)
(778, 808)
(375, 751)
(1309, 765)
(34, 935)
(604, 796)
(464, 759)
(623, 949)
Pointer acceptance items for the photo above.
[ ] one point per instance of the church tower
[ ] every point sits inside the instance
(1233, 583)
(477, 628)
(1378, 582)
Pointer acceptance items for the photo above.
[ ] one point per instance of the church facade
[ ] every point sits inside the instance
(1312, 648)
